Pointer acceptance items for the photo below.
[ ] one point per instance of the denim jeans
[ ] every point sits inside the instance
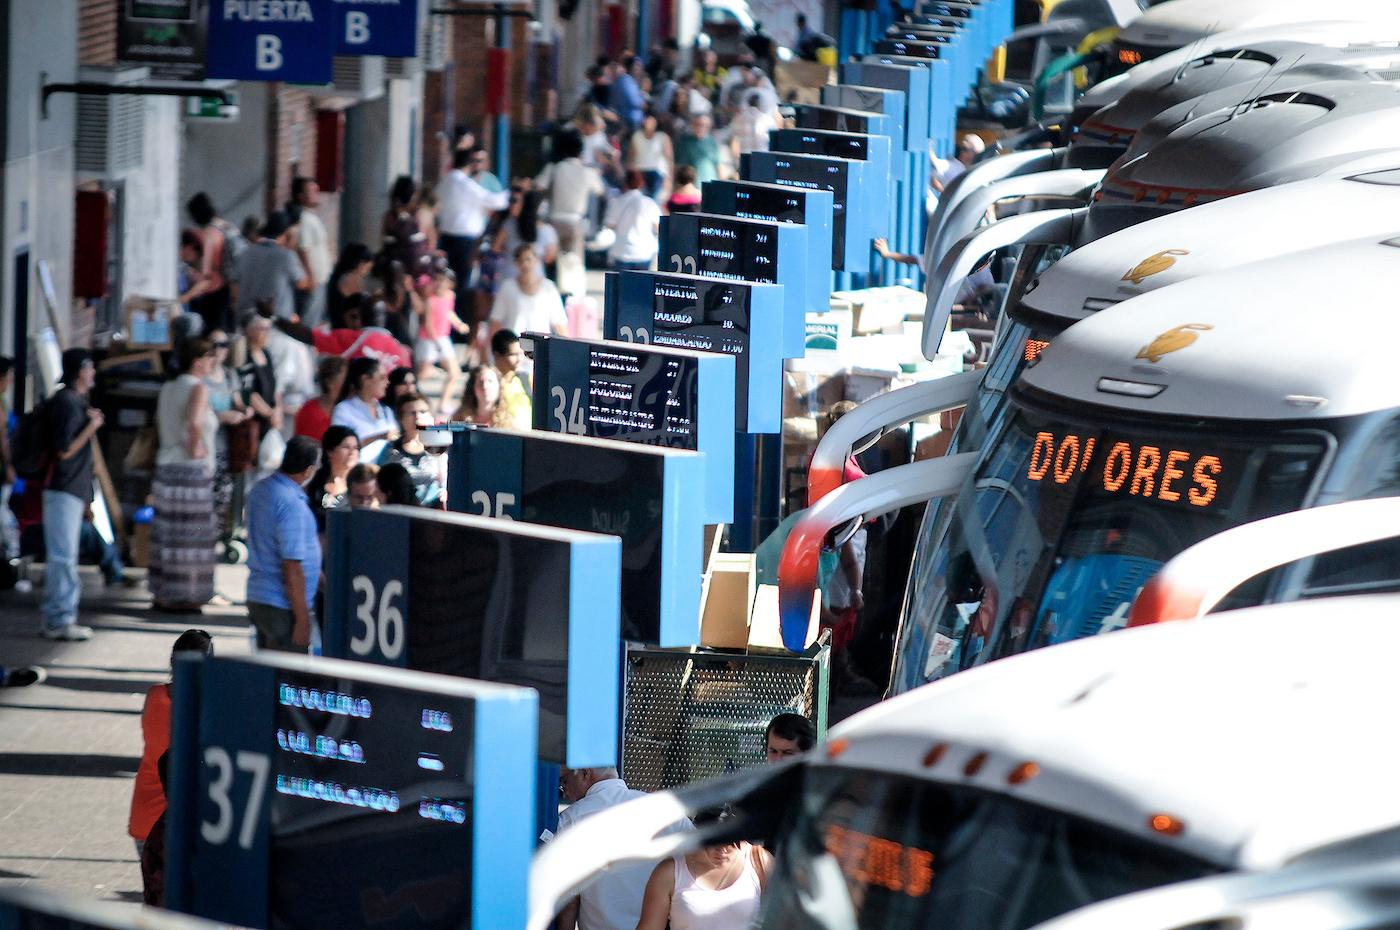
(63, 521)
(631, 266)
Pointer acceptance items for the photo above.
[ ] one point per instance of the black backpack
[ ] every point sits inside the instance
(31, 447)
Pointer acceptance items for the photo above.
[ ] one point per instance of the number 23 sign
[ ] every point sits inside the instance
(367, 593)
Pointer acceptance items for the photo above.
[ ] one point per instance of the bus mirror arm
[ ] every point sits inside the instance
(967, 215)
(1009, 165)
(879, 493)
(1199, 578)
(1051, 227)
(894, 408)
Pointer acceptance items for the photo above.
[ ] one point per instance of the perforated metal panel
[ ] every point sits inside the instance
(689, 716)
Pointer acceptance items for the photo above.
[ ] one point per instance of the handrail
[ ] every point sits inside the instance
(1052, 227)
(965, 217)
(877, 494)
(1197, 579)
(894, 408)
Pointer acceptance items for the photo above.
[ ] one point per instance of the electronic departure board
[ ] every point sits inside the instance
(495, 600)
(747, 250)
(875, 151)
(645, 495)
(942, 118)
(914, 83)
(740, 318)
(857, 219)
(782, 203)
(329, 795)
(656, 395)
(843, 119)
(888, 103)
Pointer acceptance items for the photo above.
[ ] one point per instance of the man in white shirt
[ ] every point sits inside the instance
(613, 902)
(464, 208)
(312, 236)
(636, 219)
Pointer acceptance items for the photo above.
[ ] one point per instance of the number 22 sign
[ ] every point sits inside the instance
(367, 587)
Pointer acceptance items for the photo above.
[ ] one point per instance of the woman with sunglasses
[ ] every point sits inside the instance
(226, 399)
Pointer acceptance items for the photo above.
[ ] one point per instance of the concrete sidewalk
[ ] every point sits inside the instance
(69, 748)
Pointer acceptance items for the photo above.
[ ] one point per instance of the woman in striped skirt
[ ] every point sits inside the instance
(184, 533)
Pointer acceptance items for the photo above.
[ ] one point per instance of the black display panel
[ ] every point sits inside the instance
(823, 176)
(472, 602)
(835, 119)
(736, 250)
(821, 142)
(922, 49)
(598, 488)
(762, 203)
(378, 779)
(642, 397)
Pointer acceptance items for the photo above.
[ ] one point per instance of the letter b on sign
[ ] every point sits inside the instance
(356, 28)
(269, 53)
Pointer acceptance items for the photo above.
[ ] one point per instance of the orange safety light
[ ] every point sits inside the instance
(935, 755)
(1023, 773)
(1166, 824)
(837, 747)
(974, 765)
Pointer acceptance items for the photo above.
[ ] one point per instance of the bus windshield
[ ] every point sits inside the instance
(897, 853)
(1064, 522)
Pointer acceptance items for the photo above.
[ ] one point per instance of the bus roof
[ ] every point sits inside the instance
(1300, 129)
(1216, 237)
(1332, 32)
(1245, 745)
(1251, 69)
(1267, 341)
(1174, 24)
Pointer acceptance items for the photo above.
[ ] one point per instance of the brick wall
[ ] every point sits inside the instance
(291, 141)
(471, 37)
(97, 32)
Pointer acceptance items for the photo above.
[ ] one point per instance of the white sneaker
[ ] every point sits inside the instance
(72, 633)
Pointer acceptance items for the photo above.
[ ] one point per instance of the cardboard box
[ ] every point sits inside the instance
(147, 321)
(765, 627)
(726, 599)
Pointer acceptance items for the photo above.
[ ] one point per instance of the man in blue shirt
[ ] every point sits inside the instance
(284, 554)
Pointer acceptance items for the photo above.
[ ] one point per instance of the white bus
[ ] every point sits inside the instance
(1049, 782)
(1226, 398)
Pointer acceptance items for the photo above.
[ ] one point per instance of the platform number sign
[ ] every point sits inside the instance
(371, 612)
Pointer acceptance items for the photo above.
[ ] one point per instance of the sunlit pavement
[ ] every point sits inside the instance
(69, 747)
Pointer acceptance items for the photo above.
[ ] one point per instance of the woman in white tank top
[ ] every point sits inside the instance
(650, 153)
(715, 888)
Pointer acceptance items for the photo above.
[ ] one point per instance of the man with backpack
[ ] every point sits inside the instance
(69, 423)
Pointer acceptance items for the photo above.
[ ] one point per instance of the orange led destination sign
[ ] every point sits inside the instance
(881, 863)
(1119, 467)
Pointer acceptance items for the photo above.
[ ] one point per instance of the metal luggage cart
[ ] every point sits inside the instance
(693, 714)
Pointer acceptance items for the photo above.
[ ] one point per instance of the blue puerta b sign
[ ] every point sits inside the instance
(376, 27)
(271, 40)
